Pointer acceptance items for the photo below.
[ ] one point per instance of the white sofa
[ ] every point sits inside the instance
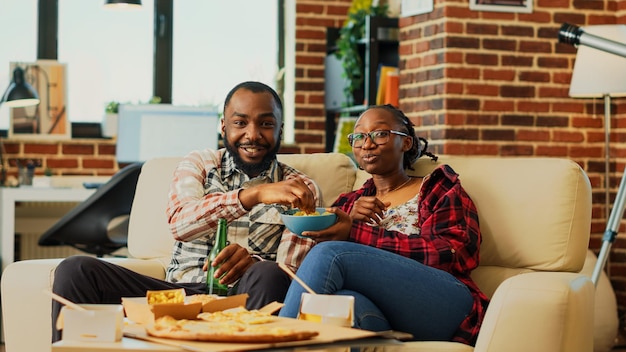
(535, 216)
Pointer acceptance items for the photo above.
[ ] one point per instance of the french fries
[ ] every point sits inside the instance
(166, 296)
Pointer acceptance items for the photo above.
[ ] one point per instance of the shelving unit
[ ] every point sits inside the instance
(378, 47)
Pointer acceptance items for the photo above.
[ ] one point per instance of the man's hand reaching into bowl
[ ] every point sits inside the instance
(295, 193)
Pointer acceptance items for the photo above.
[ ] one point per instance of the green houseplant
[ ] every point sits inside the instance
(112, 107)
(350, 35)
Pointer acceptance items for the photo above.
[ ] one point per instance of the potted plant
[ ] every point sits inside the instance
(350, 35)
(109, 127)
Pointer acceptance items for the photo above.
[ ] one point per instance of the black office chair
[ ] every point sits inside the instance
(87, 227)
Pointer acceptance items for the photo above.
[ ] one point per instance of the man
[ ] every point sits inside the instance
(243, 183)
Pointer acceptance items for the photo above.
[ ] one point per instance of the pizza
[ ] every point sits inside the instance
(202, 298)
(238, 315)
(232, 326)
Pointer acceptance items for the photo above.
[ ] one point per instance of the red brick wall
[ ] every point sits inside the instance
(488, 83)
(92, 157)
(313, 17)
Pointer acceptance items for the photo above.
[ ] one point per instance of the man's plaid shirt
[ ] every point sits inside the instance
(205, 188)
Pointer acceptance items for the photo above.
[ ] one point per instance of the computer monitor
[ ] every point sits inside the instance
(148, 131)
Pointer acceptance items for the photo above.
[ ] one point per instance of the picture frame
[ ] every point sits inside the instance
(48, 120)
(345, 126)
(416, 7)
(519, 6)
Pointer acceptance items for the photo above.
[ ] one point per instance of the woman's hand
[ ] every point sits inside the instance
(369, 210)
(339, 231)
(233, 260)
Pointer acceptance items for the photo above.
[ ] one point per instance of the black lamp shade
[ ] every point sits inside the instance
(19, 93)
(121, 3)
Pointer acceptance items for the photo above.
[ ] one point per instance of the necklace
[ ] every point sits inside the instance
(382, 197)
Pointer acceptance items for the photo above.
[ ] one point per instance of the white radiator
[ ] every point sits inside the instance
(27, 248)
(32, 219)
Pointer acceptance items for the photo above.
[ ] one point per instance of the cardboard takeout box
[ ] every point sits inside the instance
(139, 311)
(100, 322)
(328, 309)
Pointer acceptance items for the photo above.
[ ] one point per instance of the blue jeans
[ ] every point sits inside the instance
(391, 292)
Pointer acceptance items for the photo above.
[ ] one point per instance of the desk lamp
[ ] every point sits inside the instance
(600, 72)
(18, 94)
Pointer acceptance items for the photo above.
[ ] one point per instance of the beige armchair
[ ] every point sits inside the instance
(535, 216)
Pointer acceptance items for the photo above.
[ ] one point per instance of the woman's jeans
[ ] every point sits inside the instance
(391, 292)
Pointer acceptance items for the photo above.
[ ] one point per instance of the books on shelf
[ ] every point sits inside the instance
(391, 93)
(388, 85)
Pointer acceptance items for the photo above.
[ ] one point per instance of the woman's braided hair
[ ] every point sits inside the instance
(417, 150)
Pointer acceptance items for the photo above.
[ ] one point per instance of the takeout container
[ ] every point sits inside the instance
(327, 309)
(99, 323)
(139, 311)
(298, 224)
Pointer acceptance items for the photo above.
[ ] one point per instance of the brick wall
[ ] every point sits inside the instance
(92, 157)
(313, 17)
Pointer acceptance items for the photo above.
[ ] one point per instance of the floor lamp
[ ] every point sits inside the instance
(600, 72)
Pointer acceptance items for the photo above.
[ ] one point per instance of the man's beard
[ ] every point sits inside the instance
(251, 169)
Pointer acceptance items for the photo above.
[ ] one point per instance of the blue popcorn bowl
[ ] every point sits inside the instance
(300, 223)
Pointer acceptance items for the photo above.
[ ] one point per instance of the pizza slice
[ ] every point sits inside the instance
(240, 315)
(224, 331)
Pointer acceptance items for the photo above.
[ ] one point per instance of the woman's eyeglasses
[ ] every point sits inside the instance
(356, 140)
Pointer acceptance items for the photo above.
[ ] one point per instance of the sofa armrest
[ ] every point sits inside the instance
(26, 310)
(540, 312)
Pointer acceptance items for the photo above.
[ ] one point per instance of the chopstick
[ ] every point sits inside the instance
(64, 301)
(293, 276)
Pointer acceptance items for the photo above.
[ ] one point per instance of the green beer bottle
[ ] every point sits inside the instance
(212, 284)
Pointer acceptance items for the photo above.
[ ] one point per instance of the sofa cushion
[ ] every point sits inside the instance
(334, 173)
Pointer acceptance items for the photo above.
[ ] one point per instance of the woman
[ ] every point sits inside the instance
(403, 246)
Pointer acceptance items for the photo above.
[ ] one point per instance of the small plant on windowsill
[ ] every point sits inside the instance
(109, 126)
(112, 107)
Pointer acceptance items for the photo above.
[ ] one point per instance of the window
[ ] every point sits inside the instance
(218, 44)
(110, 54)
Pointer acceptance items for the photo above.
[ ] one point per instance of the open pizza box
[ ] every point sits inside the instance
(139, 311)
(142, 314)
(327, 334)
